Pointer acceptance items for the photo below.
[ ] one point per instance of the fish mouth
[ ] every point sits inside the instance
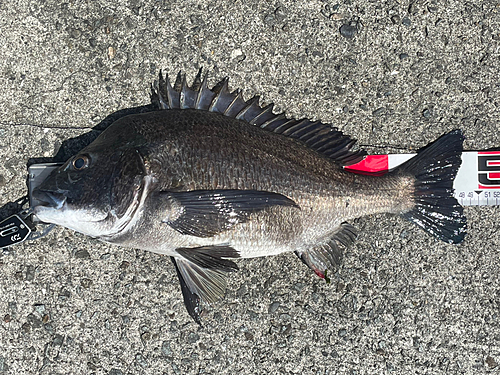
(49, 199)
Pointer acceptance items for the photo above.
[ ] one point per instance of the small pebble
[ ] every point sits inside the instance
(285, 316)
(7, 318)
(30, 272)
(269, 19)
(141, 360)
(286, 329)
(34, 321)
(379, 112)
(111, 52)
(115, 371)
(64, 295)
(75, 33)
(490, 361)
(86, 283)
(58, 340)
(40, 308)
(396, 20)
(253, 315)
(26, 327)
(193, 337)
(175, 368)
(427, 113)
(273, 307)
(82, 254)
(241, 291)
(248, 336)
(299, 286)
(348, 31)
(165, 349)
(406, 21)
(403, 56)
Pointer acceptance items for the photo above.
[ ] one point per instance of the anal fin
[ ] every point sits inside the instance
(211, 257)
(327, 257)
(201, 273)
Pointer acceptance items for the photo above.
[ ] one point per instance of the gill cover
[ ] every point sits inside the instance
(96, 192)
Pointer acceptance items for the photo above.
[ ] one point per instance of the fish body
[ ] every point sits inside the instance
(209, 177)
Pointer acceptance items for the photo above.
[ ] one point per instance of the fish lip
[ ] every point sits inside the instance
(50, 199)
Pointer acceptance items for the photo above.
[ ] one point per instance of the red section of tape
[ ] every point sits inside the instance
(494, 176)
(370, 164)
(488, 187)
(489, 152)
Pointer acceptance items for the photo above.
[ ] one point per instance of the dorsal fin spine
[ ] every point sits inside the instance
(296, 127)
(199, 92)
(183, 93)
(218, 95)
(280, 129)
(238, 95)
(172, 95)
(249, 103)
(321, 137)
(268, 109)
(276, 119)
(308, 131)
(178, 82)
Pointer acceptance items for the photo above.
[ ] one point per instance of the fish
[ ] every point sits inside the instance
(208, 177)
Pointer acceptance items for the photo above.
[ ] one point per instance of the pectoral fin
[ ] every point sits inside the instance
(201, 273)
(327, 257)
(205, 213)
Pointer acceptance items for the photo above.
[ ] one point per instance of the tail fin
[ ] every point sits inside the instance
(435, 168)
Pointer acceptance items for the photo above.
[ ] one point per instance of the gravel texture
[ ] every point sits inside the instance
(395, 75)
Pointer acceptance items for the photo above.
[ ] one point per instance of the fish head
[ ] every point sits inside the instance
(96, 192)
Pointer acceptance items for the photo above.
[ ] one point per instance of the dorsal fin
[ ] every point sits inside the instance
(323, 138)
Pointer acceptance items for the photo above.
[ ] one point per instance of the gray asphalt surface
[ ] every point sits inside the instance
(403, 302)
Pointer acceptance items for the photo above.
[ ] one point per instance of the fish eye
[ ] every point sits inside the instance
(80, 162)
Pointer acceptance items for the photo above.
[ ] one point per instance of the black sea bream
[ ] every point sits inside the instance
(209, 177)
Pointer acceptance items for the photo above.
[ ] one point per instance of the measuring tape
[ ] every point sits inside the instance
(477, 182)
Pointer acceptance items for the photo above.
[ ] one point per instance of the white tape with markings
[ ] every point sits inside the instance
(477, 182)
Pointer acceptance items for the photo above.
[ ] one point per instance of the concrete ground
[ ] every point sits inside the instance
(395, 75)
